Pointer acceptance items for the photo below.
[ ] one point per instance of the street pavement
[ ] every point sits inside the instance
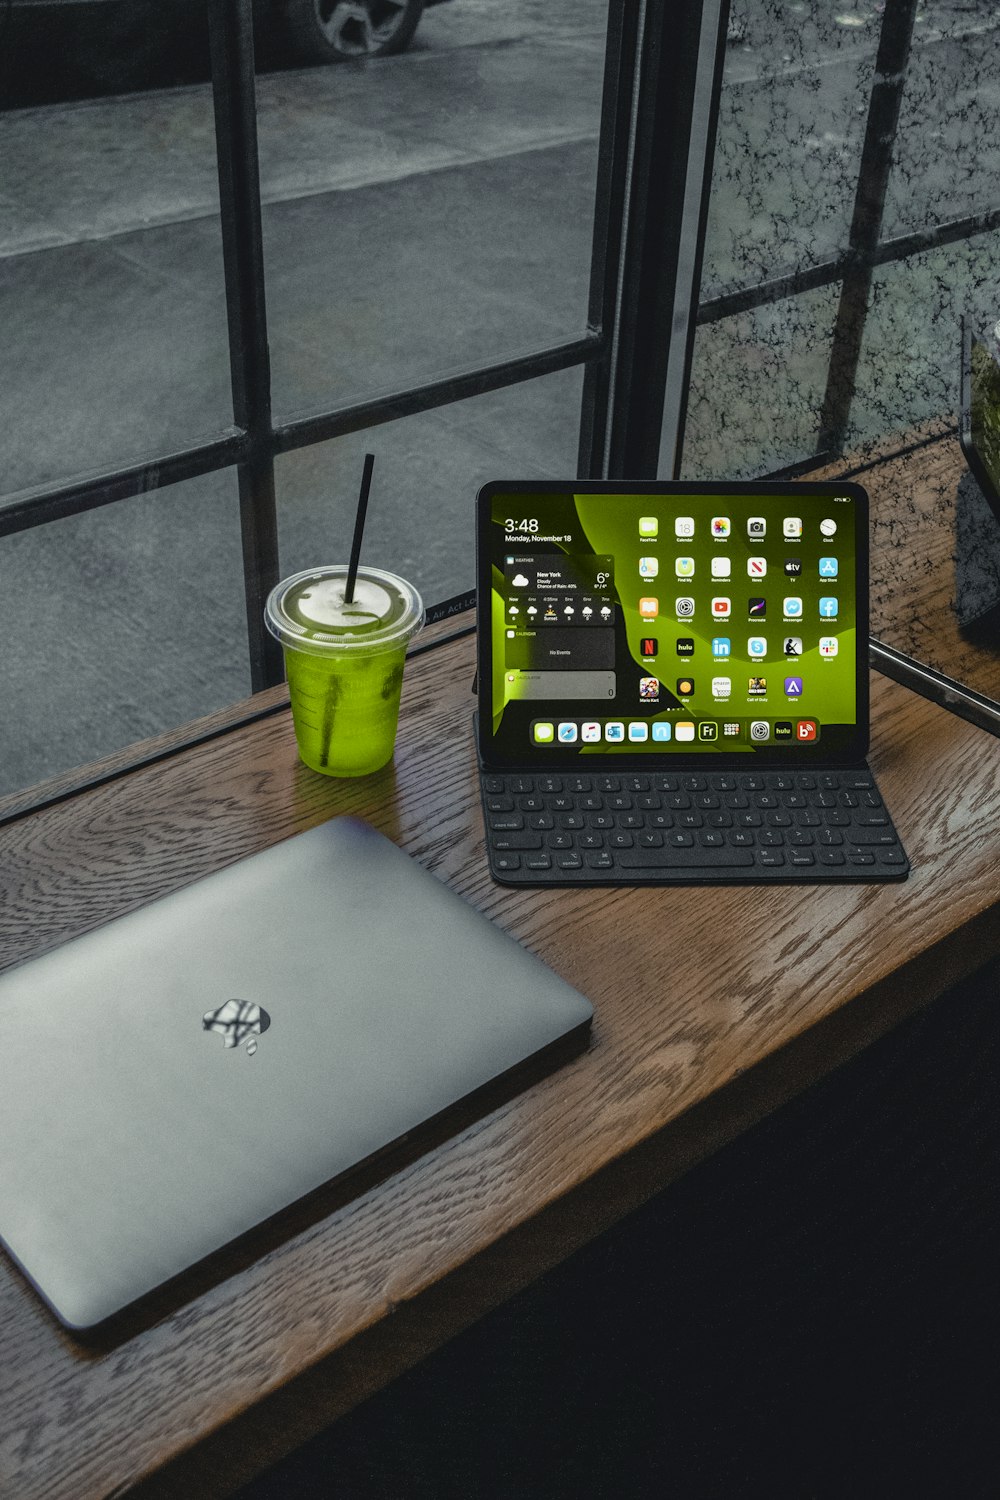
(421, 214)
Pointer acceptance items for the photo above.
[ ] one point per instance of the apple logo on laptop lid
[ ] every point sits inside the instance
(238, 1021)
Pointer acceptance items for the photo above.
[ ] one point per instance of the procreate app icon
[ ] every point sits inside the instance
(721, 526)
(757, 608)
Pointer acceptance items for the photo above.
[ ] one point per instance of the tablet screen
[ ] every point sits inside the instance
(672, 620)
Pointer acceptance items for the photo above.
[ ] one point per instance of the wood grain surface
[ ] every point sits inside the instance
(711, 1007)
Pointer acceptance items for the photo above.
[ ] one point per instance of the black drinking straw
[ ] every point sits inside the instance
(359, 527)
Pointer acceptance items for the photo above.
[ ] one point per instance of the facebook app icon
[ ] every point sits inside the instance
(720, 645)
(828, 607)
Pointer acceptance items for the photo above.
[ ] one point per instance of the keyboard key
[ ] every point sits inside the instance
(607, 784)
(770, 858)
(679, 840)
(548, 784)
(560, 841)
(569, 862)
(743, 838)
(770, 838)
(832, 857)
(499, 804)
(520, 784)
(862, 859)
(891, 857)
(685, 859)
(801, 857)
(506, 822)
(712, 838)
(601, 820)
(541, 822)
(620, 841)
(590, 841)
(509, 841)
(506, 862)
(601, 861)
(538, 862)
(869, 836)
(577, 783)
(651, 840)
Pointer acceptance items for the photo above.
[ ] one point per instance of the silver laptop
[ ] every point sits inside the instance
(175, 1078)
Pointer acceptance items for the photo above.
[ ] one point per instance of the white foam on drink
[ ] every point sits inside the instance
(323, 603)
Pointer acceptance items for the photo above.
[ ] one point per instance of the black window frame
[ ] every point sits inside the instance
(655, 63)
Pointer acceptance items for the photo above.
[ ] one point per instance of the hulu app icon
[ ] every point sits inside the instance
(648, 526)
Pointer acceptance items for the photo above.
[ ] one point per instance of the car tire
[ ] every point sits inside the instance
(326, 31)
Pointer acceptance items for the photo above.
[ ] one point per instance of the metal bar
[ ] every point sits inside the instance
(698, 192)
(38, 506)
(231, 43)
(610, 217)
(668, 75)
(299, 432)
(866, 224)
(940, 689)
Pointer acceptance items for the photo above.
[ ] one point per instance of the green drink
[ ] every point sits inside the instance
(344, 663)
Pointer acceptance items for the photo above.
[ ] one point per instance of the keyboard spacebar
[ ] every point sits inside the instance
(694, 858)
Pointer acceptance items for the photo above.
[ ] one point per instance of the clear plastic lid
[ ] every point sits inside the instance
(308, 611)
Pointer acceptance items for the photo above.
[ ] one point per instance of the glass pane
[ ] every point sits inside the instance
(757, 384)
(428, 470)
(910, 361)
(433, 210)
(948, 138)
(103, 618)
(112, 300)
(791, 125)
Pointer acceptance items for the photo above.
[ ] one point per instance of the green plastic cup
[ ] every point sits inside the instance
(344, 663)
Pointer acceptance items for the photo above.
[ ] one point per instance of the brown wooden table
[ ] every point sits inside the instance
(712, 1007)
